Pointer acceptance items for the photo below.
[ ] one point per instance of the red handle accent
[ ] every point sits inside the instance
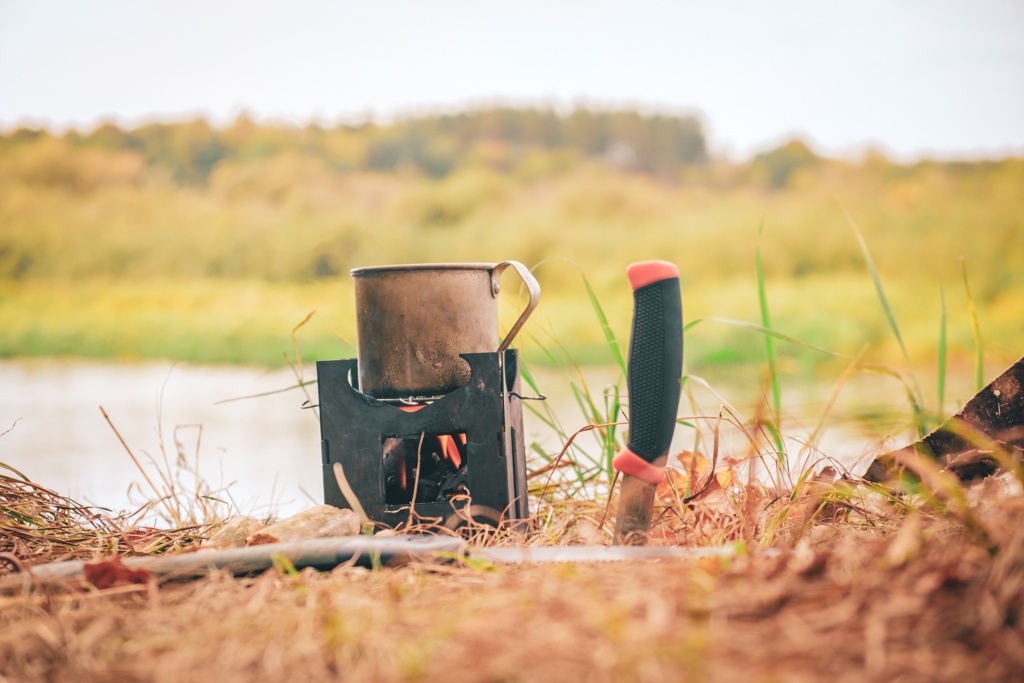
(648, 272)
(628, 462)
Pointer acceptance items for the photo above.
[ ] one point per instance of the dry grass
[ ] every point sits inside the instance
(38, 525)
(857, 590)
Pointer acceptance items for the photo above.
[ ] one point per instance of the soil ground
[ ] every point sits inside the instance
(934, 597)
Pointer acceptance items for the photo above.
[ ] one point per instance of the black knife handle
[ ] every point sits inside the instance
(655, 368)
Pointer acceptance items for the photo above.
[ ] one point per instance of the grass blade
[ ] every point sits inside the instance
(609, 335)
(942, 348)
(917, 400)
(767, 331)
(766, 321)
(979, 353)
(612, 405)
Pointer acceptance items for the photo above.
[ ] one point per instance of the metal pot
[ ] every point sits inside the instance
(414, 320)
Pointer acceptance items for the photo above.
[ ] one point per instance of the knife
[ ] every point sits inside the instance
(653, 379)
(324, 554)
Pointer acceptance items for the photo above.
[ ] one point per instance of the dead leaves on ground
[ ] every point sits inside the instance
(708, 503)
(111, 573)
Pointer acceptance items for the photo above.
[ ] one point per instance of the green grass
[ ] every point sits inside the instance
(200, 321)
(133, 265)
(225, 321)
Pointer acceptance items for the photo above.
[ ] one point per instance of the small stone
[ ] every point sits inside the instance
(322, 521)
(233, 533)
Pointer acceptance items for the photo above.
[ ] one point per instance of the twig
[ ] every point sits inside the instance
(14, 560)
(272, 392)
(11, 428)
(298, 359)
(121, 534)
(608, 503)
(568, 443)
(714, 462)
(138, 465)
(416, 479)
(348, 493)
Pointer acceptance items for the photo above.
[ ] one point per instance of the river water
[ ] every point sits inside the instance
(262, 454)
(264, 450)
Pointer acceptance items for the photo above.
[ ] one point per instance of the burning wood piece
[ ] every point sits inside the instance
(969, 443)
(432, 466)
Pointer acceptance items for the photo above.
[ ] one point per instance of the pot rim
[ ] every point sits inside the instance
(373, 270)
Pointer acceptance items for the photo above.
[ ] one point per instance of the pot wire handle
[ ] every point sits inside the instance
(531, 285)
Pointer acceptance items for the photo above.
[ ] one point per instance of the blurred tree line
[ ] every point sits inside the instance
(433, 145)
(283, 202)
(125, 222)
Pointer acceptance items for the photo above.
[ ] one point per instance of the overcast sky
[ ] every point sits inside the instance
(914, 77)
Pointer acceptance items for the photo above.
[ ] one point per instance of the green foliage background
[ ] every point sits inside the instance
(209, 244)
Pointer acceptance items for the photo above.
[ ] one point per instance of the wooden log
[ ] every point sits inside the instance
(966, 444)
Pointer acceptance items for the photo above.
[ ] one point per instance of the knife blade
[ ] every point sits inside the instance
(653, 379)
(324, 554)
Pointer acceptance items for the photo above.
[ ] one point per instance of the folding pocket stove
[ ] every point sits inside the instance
(427, 424)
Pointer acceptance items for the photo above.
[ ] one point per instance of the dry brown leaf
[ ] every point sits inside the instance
(111, 572)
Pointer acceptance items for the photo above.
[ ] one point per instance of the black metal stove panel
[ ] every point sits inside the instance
(487, 410)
